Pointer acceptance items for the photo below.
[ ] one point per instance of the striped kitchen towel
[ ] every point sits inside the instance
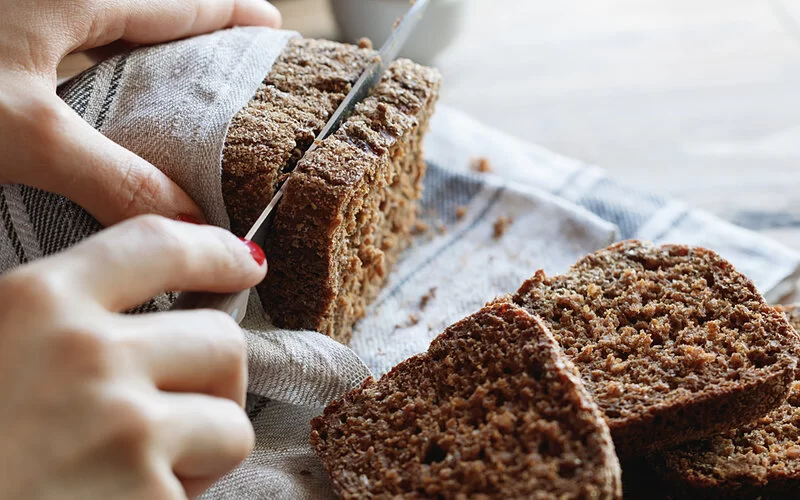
(487, 232)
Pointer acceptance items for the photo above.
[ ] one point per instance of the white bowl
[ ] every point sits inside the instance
(374, 19)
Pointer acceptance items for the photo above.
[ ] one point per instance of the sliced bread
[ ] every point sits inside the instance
(758, 460)
(350, 205)
(761, 459)
(672, 342)
(492, 409)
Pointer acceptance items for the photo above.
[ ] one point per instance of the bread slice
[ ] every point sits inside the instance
(761, 459)
(350, 205)
(673, 343)
(268, 136)
(492, 409)
(792, 312)
(758, 460)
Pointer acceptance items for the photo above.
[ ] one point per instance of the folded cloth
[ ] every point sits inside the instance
(773, 267)
(172, 104)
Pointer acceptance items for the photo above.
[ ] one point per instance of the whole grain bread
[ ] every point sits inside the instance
(268, 136)
(792, 312)
(761, 459)
(492, 409)
(672, 342)
(758, 460)
(350, 205)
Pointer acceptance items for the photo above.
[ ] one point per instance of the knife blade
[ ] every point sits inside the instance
(235, 304)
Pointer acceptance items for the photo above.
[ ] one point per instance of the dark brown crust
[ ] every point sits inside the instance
(349, 207)
(658, 420)
(483, 397)
(267, 137)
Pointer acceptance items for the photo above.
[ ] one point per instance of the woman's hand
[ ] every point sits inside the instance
(43, 143)
(96, 404)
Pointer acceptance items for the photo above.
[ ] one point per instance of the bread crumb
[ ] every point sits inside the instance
(420, 227)
(440, 228)
(501, 226)
(365, 43)
(614, 389)
(413, 319)
(423, 302)
(461, 212)
(793, 452)
(504, 421)
(482, 164)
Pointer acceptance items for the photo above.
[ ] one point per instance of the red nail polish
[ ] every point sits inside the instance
(188, 218)
(255, 251)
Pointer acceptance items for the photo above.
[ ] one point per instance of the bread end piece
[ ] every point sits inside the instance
(492, 408)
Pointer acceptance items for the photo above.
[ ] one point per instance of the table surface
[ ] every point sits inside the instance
(693, 99)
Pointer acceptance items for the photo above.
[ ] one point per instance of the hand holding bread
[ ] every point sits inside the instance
(45, 144)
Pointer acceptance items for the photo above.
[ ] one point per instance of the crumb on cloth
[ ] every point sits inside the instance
(461, 211)
(420, 228)
(482, 164)
(365, 43)
(413, 320)
(423, 301)
(501, 226)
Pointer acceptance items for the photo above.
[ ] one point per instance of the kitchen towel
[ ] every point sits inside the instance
(172, 104)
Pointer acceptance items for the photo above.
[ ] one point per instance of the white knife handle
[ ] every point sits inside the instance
(234, 304)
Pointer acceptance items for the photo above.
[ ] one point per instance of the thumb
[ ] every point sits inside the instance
(69, 157)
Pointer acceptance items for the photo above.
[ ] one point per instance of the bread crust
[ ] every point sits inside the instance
(437, 425)
(349, 205)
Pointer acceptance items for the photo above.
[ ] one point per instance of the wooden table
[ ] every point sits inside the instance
(694, 99)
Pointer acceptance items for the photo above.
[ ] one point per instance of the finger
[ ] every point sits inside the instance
(153, 21)
(59, 152)
(127, 264)
(204, 437)
(189, 351)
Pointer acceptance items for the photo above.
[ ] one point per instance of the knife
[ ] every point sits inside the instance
(235, 304)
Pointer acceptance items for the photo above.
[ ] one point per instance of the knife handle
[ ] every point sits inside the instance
(234, 304)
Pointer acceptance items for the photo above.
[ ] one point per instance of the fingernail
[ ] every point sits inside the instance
(255, 252)
(188, 218)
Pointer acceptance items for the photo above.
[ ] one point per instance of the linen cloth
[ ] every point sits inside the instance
(172, 104)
